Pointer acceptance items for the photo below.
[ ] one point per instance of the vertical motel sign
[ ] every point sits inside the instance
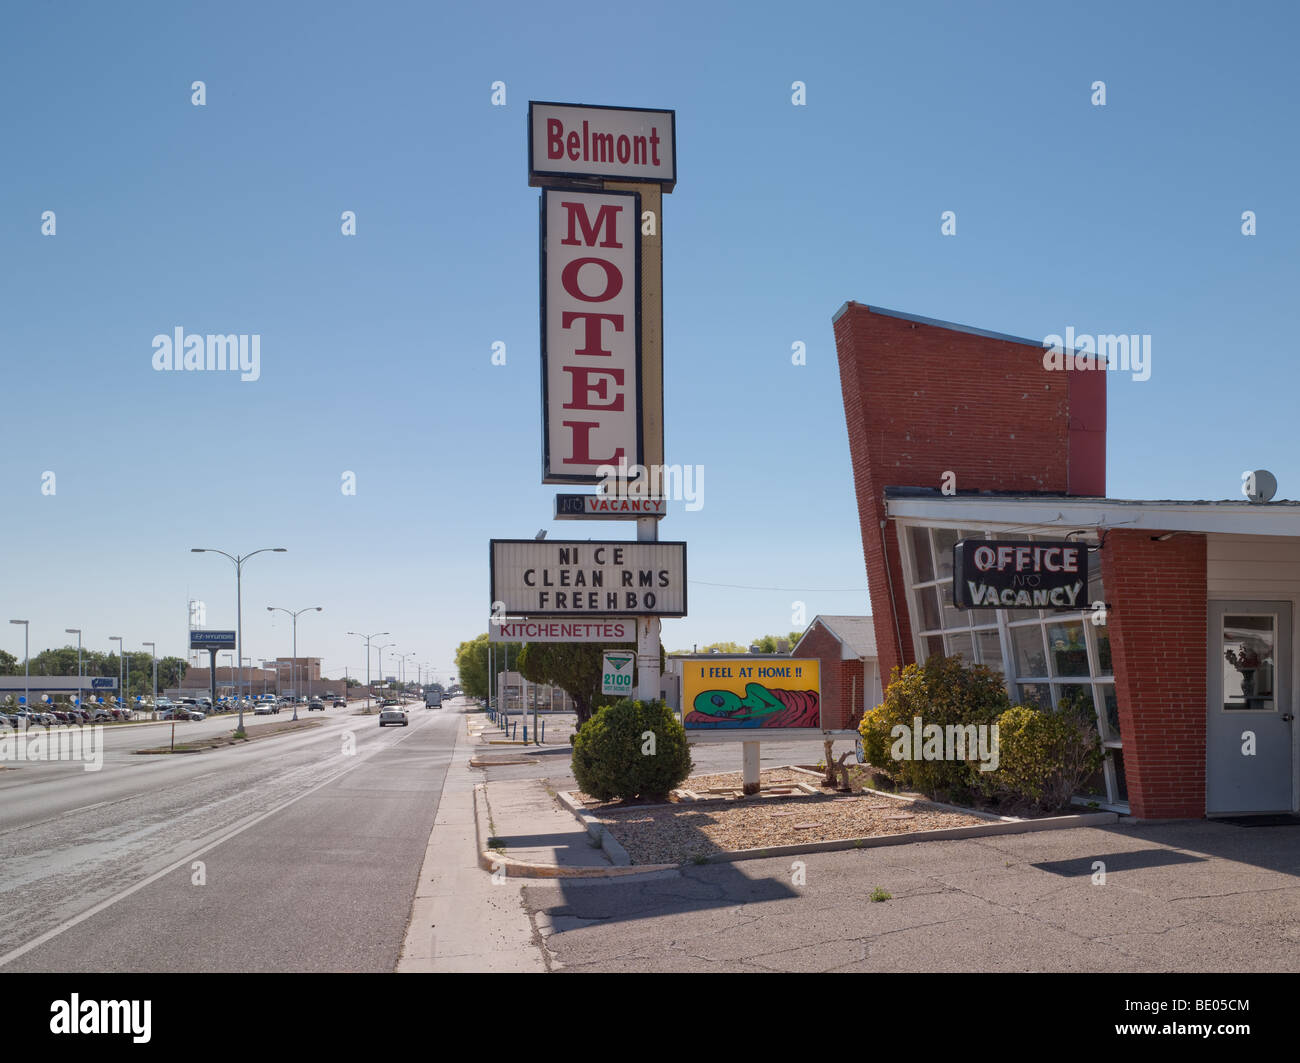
(603, 171)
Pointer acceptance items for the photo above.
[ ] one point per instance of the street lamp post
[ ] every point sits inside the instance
(385, 646)
(373, 635)
(81, 694)
(27, 676)
(239, 596)
(294, 613)
(121, 692)
(153, 652)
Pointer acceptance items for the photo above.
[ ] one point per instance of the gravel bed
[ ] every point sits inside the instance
(679, 833)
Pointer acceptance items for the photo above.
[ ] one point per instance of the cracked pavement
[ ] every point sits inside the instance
(1194, 897)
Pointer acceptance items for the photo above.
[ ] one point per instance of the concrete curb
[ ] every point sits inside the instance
(996, 825)
(489, 860)
(1024, 826)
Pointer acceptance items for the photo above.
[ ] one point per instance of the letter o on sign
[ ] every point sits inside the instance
(985, 558)
(613, 280)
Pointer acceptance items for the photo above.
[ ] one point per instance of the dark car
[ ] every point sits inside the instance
(315, 704)
(340, 703)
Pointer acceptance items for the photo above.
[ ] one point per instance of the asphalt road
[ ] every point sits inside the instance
(294, 853)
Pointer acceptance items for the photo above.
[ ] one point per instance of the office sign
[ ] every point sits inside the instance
(616, 672)
(728, 693)
(591, 334)
(605, 629)
(567, 141)
(1005, 574)
(608, 507)
(212, 640)
(558, 578)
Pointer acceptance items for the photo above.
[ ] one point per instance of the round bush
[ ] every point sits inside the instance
(1045, 756)
(944, 691)
(631, 749)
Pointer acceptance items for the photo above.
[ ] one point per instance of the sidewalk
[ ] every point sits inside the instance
(463, 918)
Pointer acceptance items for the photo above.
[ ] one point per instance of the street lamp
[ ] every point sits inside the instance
(77, 631)
(239, 596)
(385, 646)
(374, 635)
(27, 678)
(153, 652)
(294, 614)
(120, 690)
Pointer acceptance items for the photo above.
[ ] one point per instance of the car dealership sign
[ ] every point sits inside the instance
(554, 578)
(567, 141)
(1019, 575)
(212, 640)
(591, 333)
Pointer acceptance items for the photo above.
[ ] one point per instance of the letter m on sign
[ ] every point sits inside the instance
(606, 218)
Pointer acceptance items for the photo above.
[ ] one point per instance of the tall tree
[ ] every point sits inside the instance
(575, 668)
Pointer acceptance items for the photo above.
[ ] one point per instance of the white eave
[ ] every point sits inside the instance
(1078, 514)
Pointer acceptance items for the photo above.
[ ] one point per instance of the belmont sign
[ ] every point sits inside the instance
(1019, 575)
(554, 578)
(591, 333)
(567, 141)
(607, 629)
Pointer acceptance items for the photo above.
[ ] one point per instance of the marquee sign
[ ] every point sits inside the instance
(1019, 575)
(591, 333)
(556, 578)
(567, 141)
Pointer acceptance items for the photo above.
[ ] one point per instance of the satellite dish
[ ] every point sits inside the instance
(1260, 486)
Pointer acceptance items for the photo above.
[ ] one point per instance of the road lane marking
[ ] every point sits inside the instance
(94, 910)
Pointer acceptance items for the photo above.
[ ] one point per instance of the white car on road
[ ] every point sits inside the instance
(394, 714)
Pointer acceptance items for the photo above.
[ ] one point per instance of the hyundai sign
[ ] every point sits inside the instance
(212, 640)
(1019, 575)
(544, 578)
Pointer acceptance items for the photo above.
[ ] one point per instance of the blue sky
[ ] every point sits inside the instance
(376, 348)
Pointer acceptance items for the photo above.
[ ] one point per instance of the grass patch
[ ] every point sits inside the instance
(879, 895)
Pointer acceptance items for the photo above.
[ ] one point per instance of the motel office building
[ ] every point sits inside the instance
(1192, 666)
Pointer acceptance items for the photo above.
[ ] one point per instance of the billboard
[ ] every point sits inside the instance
(604, 629)
(1006, 574)
(568, 140)
(577, 578)
(591, 334)
(212, 640)
(751, 692)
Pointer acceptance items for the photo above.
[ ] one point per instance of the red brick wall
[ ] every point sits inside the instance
(1158, 606)
(921, 400)
(841, 680)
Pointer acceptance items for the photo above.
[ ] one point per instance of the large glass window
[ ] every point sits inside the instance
(1057, 657)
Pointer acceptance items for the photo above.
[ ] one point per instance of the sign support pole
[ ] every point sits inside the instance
(212, 675)
(647, 629)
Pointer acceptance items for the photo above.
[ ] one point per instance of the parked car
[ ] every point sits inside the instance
(393, 713)
(100, 713)
(264, 709)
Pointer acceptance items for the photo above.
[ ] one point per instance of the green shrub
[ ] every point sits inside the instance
(945, 691)
(1045, 756)
(608, 761)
